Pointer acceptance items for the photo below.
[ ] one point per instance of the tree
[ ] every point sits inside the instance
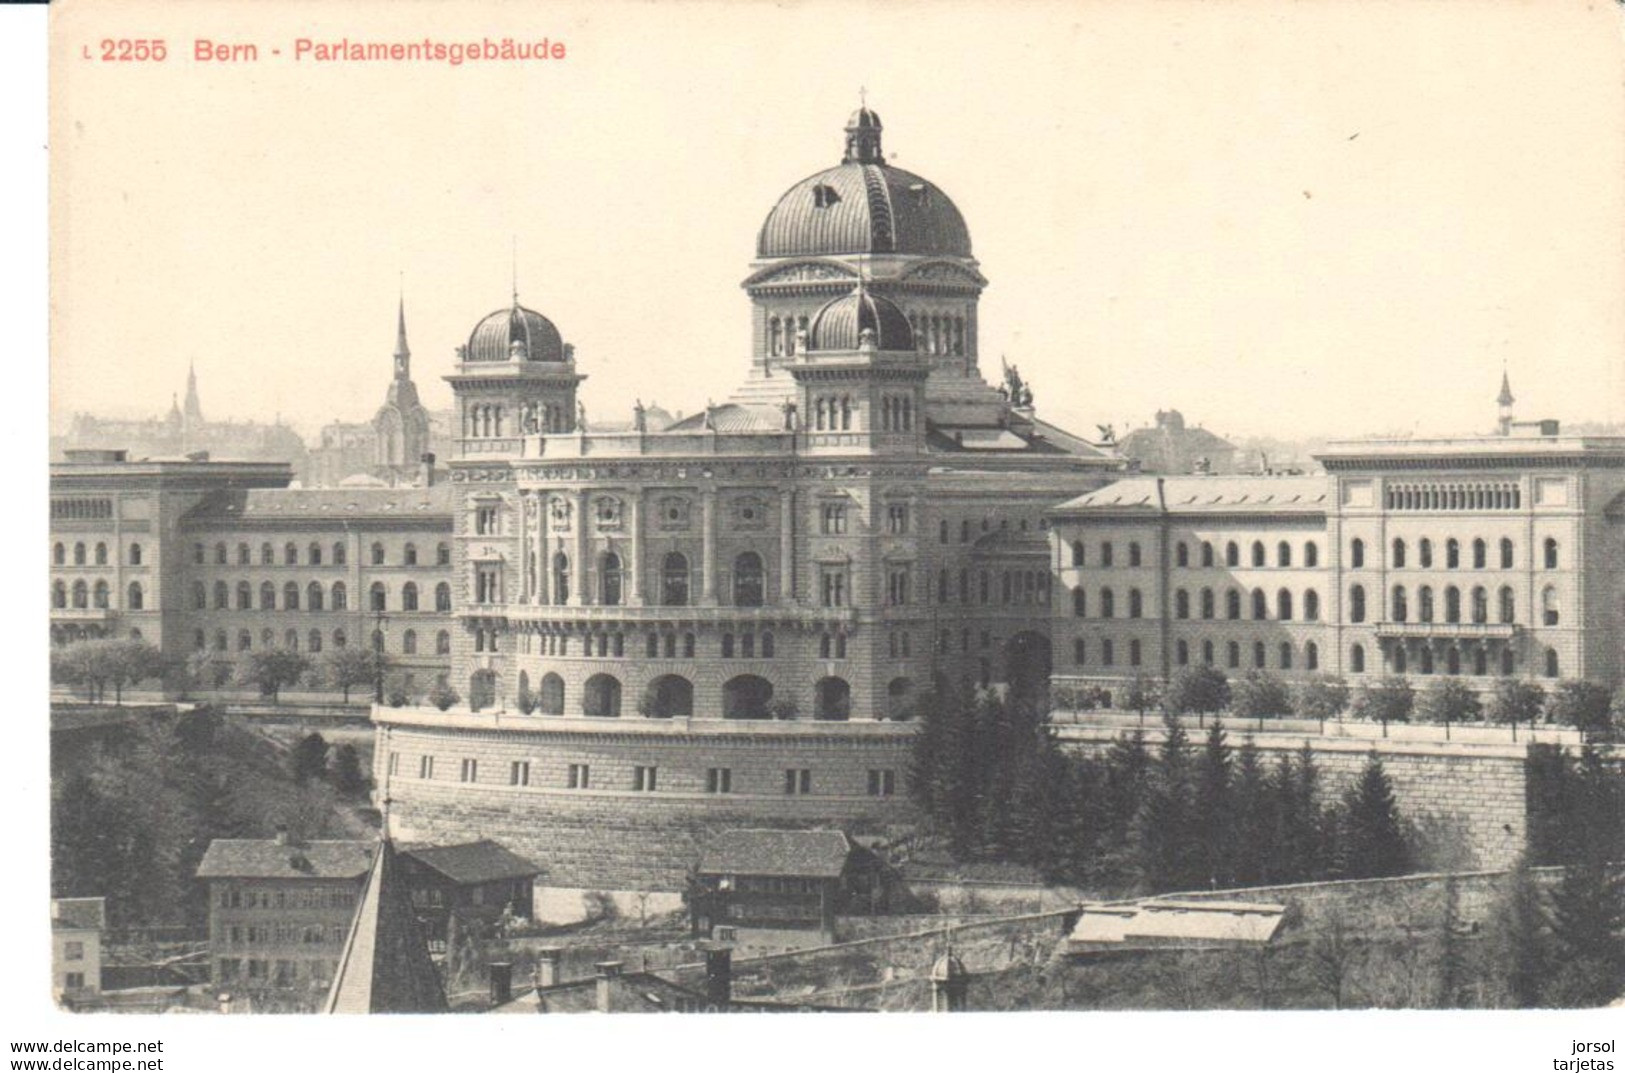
(443, 696)
(1143, 692)
(1320, 696)
(95, 664)
(1214, 817)
(308, 759)
(1258, 694)
(1518, 941)
(351, 667)
(1516, 701)
(1201, 690)
(1374, 840)
(1579, 703)
(1449, 700)
(1588, 905)
(345, 771)
(1162, 831)
(271, 669)
(1255, 823)
(1388, 700)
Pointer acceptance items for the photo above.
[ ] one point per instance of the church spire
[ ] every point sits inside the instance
(194, 408)
(1504, 401)
(403, 353)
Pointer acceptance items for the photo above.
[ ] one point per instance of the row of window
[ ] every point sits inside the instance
(314, 641)
(965, 528)
(749, 581)
(1284, 604)
(313, 554)
(279, 934)
(1504, 495)
(644, 778)
(315, 596)
(1206, 553)
(1478, 605)
(1207, 557)
(297, 898)
(283, 972)
(83, 595)
(81, 554)
(1479, 549)
(1476, 662)
(63, 509)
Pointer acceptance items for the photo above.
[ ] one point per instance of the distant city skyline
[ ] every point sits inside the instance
(1302, 225)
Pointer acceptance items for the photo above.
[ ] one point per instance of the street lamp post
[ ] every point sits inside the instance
(379, 619)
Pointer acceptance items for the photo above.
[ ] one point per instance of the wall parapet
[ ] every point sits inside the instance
(641, 726)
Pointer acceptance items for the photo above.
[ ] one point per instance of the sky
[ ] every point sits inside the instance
(1292, 219)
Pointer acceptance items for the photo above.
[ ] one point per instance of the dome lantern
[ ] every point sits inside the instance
(863, 138)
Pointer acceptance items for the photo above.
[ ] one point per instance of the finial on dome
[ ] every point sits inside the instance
(516, 271)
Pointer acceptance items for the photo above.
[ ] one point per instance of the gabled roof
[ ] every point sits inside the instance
(385, 966)
(426, 504)
(86, 913)
(777, 853)
(474, 862)
(265, 858)
(1192, 495)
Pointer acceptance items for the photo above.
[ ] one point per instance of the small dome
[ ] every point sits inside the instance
(843, 323)
(508, 333)
(863, 118)
(948, 967)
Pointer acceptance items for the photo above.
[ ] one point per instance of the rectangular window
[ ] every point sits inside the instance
(882, 782)
(579, 777)
(832, 588)
(394, 763)
(486, 521)
(519, 773)
(74, 981)
(897, 518)
(73, 951)
(718, 780)
(832, 519)
(897, 587)
(425, 767)
(643, 778)
(798, 780)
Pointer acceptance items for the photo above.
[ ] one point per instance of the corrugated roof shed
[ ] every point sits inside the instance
(777, 853)
(473, 862)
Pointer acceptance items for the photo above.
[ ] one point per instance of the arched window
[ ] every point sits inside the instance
(377, 553)
(670, 696)
(100, 596)
(1399, 660)
(245, 641)
(1080, 602)
(1207, 603)
(409, 596)
(442, 597)
(674, 580)
(1134, 556)
(1357, 603)
(245, 596)
(1424, 553)
(1283, 554)
(267, 596)
(1400, 611)
(1357, 553)
(314, 596)
(1509, 604)
(222, 596)
(1398, 557)
(1232, 554)
(1550, 608)
(1452, 661)
(134, 600)
(220, 553)
(442, 554)
(1258, 553)
(561, 578)
(1182, 604)
(1311, 553)
(748, 582)
(1135, 603)
(378, 641)
(1481, 604)
(290, 596)
(1506, 553)
(1105, 553)
(1232, 604)
(1311, 657)
(1311, 606)
(1481, 553)
(746, 697)
(409, 554)
(1551, 663)
(1452, 604)
(244, 558)
(341, 600)
(339, 639)
(101, 553)
(377, 597)
(290, 554)
(1550, 546)
(59, 594)
(442, 643)
(1452, 554)
(314, 554)
(409, 643)
(1207, 553)
(1182, 554)
(267, 554)
(1283, 606)
(1424, 603)
(79, 553)
(315, 642)
(1077, 552)
(59, 554)
(1261, 608)
(1425, 660)
(1107, 603)
(1286, 655)
(1357, 659)
(290, 640)
(338, 555)
(832, 699)
(1481, 662)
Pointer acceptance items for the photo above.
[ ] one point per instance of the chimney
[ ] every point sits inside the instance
(282, 834)
(608, 971)
(426, 469)
(501, 982)
(718, 976)
(547, 966)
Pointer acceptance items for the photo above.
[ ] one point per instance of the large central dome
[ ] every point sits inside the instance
(863, 205)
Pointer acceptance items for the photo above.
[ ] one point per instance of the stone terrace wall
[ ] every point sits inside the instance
(610, 836)
(1465, 799)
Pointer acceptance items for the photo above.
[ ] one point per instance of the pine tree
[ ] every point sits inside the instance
(1588, 905)
(1255, 817)
(1519, 944)
(1375, 838)
(1161, 831)
(1214, 820)
(309, 758)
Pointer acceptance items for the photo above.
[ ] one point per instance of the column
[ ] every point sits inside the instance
(787, 546)
(578, 590)
(633, 579)
(708, 547)
(544, 569)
